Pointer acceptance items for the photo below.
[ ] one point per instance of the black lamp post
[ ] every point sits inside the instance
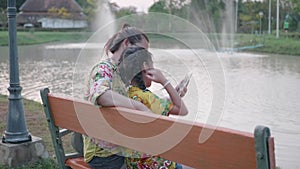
(16, 130)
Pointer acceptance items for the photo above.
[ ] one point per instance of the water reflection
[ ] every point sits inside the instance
(260, 89)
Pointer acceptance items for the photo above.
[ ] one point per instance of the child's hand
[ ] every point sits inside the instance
(181, 91)
(156, 76)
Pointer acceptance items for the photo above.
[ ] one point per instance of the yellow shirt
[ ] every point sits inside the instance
(157, 106)
(152, 101)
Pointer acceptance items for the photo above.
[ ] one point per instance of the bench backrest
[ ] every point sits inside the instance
(225, 148)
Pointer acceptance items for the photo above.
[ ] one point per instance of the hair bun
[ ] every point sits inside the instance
(125, 25)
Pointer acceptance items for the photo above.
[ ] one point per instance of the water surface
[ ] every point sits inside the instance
(259, 89)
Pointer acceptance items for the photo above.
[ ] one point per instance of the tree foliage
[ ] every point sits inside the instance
(3, 9)
(249, 18)
(3, 18)
(19, 3)
(59, 12)
(125, 11)
(159, 6)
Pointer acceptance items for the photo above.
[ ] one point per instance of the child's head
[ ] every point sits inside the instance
(132, 66)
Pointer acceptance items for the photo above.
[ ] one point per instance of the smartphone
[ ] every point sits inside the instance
(185, 82)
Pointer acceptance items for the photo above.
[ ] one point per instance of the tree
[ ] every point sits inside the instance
(296, 13)
(3, 7)
(173, 7)
(89, 9)
(59, 12)
(159, 6)
(125, 11)
(296, 6)
(64, 13)
(3, 17)
(207, 14)
(19, 3)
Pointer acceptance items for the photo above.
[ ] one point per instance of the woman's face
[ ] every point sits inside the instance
(146, 80)
(144, 43)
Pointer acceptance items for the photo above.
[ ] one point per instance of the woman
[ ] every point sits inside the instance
(105, 88)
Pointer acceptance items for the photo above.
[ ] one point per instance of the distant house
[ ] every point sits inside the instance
(52, 14)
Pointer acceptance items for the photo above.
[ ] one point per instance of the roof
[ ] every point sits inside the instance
(33, 10)
(44, 5)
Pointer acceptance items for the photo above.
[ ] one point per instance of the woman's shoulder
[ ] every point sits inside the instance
(104, 64)
(107, 62)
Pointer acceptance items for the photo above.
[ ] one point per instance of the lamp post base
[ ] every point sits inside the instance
(16, 155)
(11, 138)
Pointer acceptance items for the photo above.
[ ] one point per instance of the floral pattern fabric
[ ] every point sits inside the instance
(103, 77)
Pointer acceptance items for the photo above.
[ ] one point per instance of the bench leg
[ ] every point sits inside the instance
(263, 155)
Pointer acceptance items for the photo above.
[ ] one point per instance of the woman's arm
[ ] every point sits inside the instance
(111, 98)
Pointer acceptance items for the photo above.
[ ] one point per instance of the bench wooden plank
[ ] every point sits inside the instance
(77, 163)
(271, 153)
(224, 149)
(177, 140)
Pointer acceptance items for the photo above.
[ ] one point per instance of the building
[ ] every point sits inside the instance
(52, 14)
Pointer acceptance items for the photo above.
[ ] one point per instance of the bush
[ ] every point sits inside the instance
(41, 164)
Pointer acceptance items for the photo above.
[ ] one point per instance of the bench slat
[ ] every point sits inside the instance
(271, 153)
(77, 163)
(224, 149)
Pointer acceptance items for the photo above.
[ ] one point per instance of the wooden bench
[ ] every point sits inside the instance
(224, 149)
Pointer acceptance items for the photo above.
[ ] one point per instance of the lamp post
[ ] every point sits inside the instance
(16, 130)
(260, 24)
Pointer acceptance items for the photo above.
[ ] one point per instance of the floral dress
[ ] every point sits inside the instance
(157, 106)
(102, 77)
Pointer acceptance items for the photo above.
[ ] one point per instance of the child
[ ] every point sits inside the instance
(137, 72)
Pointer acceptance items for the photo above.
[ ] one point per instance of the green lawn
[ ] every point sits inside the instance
(28, 38)
(287, 45)
(37, 126)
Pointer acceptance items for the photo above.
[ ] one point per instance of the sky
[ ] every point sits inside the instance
(141, 5)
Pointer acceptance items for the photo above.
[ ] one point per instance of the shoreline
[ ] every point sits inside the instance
(269, 44)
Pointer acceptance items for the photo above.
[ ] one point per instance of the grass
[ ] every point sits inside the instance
(37, 126)
(41, 164)
(38, 37)
(287, 45)
(35, 120)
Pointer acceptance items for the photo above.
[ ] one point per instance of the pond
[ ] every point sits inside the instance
(255, 89)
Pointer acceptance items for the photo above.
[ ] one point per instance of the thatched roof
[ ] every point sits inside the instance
(44, 5)
(33, 10)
